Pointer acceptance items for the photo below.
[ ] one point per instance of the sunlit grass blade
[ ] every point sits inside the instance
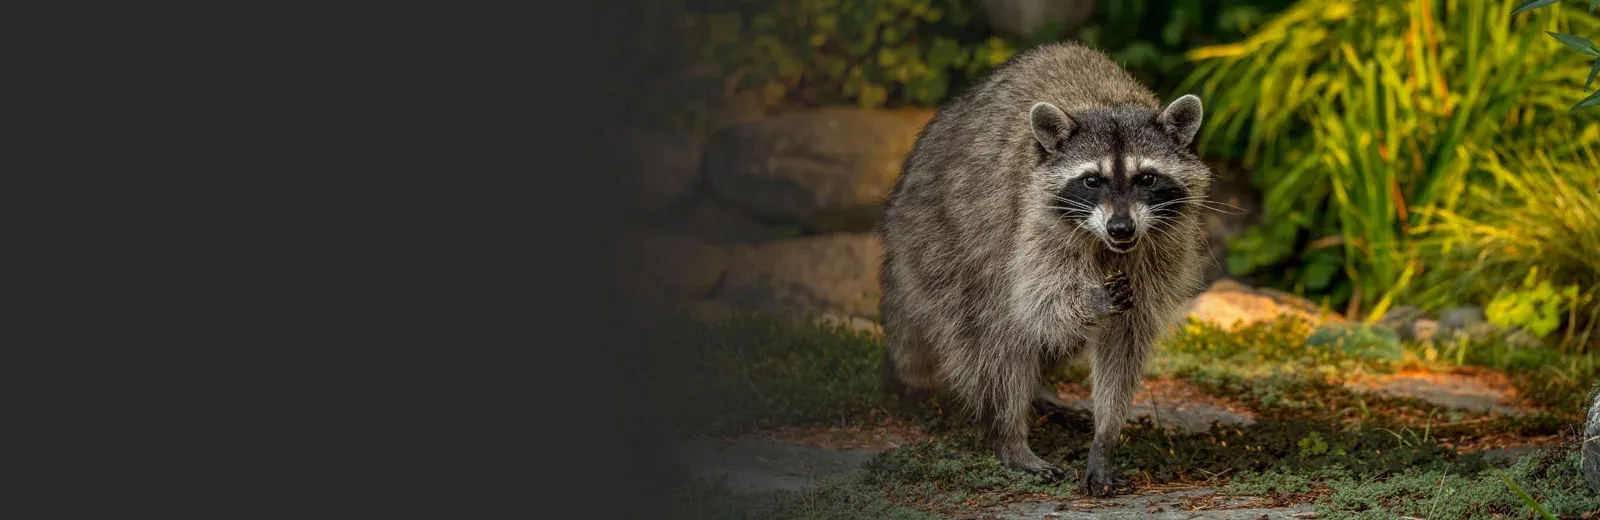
(1532, 504)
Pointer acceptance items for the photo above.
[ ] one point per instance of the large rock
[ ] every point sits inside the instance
(825, 170)
(824, 274)
(1233, 304)
(1591, 446)
(1464, 321)
(714, 221)
(1467, 323)
(660, 169)
(1411, 323)
(681, 267)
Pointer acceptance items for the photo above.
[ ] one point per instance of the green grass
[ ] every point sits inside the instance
(847, 496)
(1381, 457)
(1271, 365)
(1550, 477)
(752, 371)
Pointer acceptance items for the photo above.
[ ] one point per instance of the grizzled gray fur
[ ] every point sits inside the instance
(1051, 208)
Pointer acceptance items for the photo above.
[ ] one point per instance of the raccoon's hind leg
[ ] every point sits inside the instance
(1045, 399)
(998, 382)
(909, 370)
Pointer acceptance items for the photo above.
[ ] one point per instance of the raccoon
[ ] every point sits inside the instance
(1052, 208)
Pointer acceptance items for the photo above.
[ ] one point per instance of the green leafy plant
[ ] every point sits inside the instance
(1577, 43)
(1536, 212)
(1535, 307)
(1150, 38)
(868, 52)
(1361, 117)
(1312, 445)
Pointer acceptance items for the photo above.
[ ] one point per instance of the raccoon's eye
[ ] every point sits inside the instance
(1091, 182)
(1145, 179)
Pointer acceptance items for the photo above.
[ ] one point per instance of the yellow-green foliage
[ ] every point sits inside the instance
(1286, 345)
(867, 52)
(1362, 116)
(1537, 216)
(1537, 307)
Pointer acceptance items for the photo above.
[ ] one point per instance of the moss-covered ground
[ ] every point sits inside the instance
(1352, 454)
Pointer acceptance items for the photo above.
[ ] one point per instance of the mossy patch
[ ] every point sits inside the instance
(1549, 476)
(846, 496)
(751, 371)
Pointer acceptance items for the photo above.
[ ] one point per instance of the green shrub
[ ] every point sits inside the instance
(1361, 117)
(1149, 38)
(1538, 216)
(1577, 43)
(866, 52)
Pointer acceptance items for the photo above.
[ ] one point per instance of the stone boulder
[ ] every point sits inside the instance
(679, 267)
(1422, 330)
(715, 221)
(659, 170)
(1461, 318)
(1464, 322)
(1233, 304)
(824, 170)
(1404, 319)
(823, 274)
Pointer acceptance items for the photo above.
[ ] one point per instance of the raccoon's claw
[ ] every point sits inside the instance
(1046, 472)
(1118, 294)
(1098, 485)
(1027, 463)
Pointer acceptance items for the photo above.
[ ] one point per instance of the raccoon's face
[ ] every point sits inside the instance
(1121, 174)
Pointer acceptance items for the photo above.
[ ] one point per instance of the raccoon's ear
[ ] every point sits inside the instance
(1051, 126)
(1181, 119)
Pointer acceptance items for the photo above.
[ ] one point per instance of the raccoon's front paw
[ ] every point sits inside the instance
(1098, 483)
(1118, 294)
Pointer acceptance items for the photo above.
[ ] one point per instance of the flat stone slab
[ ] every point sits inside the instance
(1169, 403)
(762, 466)
(1179, 416)
(1172, 505)
(1475, 392)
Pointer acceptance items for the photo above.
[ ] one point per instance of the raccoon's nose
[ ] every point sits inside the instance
(1120, 228)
